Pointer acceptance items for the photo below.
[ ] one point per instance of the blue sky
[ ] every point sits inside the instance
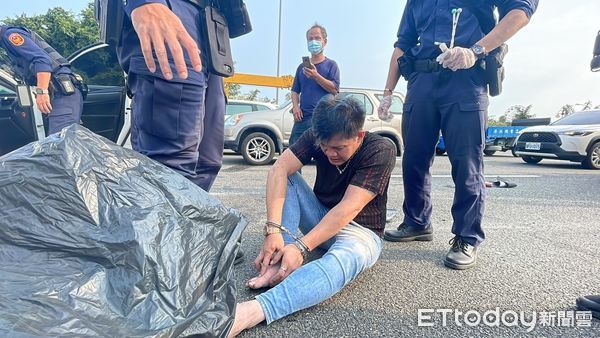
(547, 65)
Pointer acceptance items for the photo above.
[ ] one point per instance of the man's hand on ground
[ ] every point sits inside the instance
(43, 103)
(157, 27)
(291, 259)
(297, 114)
(272, 244)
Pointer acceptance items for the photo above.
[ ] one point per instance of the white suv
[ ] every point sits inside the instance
(575, 138)
(259, 135)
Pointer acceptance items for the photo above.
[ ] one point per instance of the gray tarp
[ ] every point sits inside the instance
(97, 240)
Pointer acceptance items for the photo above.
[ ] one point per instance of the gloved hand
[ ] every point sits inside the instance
(457, 58)
(384, 108)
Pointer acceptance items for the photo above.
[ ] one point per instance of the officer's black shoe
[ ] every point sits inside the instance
(406, 233)
(462, 255)
(239, 257)
(590, 303)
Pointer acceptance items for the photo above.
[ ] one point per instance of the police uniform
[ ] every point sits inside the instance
(30, 55)
(178, 122)
(454, 102)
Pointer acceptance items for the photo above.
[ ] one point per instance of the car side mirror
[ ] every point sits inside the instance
(24, 96)
(595, 64)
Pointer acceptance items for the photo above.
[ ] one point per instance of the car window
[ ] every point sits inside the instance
(99, 67)
(580, 118)
(4, 90)
(362, 98)
(237, 108)
(396, 107)
(262, 107)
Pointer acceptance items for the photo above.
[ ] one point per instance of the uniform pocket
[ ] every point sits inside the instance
(477, 105)
(166, 109)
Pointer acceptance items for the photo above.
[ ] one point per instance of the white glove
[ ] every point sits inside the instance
(457, 58)
(384, 108)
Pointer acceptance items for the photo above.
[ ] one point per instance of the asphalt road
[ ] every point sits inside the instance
(542, 251)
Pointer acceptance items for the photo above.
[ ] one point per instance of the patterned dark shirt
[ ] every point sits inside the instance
(370, 168)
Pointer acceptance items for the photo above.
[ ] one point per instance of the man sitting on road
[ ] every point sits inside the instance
(344, 214)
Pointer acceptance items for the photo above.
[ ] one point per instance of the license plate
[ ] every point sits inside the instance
(533, 145)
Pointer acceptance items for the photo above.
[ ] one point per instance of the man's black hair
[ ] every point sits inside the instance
(336, 115)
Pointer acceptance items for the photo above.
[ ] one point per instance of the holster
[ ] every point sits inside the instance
(216, 50)
(493, 64)
(66, 84)
(63, 84)
(406, 65)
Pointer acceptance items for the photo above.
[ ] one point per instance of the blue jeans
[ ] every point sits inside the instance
(351, 251)
(299, 128)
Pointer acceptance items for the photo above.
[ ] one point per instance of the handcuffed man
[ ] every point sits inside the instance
(343, 215)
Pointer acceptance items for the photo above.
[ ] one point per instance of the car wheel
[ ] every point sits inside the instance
(489, 152)
(258, 149)
(531, 159)
(592, 160)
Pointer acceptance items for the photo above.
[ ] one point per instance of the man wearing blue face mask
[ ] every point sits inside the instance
(311, 83)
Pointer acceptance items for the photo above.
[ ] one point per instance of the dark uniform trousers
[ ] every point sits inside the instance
(180, 124)
(66, 110)
(455, 103)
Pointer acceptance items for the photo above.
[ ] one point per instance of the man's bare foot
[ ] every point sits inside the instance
(264, 280)
(247, 314)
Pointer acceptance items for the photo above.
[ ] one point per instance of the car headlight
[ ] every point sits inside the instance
(576, 133)
(233, 120)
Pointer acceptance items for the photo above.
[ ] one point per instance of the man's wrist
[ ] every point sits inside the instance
(130, 5)
(40, 91)
(271, 228)
(387, 90)
(302, 248)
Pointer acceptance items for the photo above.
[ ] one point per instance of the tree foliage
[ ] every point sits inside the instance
(68, 32)
(518, 112)
(569, 109)
(62, 29)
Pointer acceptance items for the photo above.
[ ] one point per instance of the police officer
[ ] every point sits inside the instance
(176, 119)
(447, 92)
(58, 93)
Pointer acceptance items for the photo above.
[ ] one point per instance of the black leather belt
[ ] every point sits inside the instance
(427, 66)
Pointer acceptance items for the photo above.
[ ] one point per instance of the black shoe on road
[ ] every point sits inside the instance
(406, 233)
(590, 303)
(462, 255)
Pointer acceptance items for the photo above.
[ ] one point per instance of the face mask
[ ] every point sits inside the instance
(315, 46)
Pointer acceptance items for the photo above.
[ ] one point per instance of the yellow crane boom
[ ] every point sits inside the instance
(284, 81)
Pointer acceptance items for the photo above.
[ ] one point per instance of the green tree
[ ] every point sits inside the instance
(67, 33)
(233, 90)
(565, 110)
(62, 29)
(587, 105)
(518, 112)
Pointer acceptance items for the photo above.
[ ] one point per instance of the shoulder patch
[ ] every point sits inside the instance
(16, 39)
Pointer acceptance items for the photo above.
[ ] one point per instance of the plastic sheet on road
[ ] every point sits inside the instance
(97, 240)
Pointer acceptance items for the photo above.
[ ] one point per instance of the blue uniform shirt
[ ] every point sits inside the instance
(425, 22)
(311, 91)
(28, 58)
